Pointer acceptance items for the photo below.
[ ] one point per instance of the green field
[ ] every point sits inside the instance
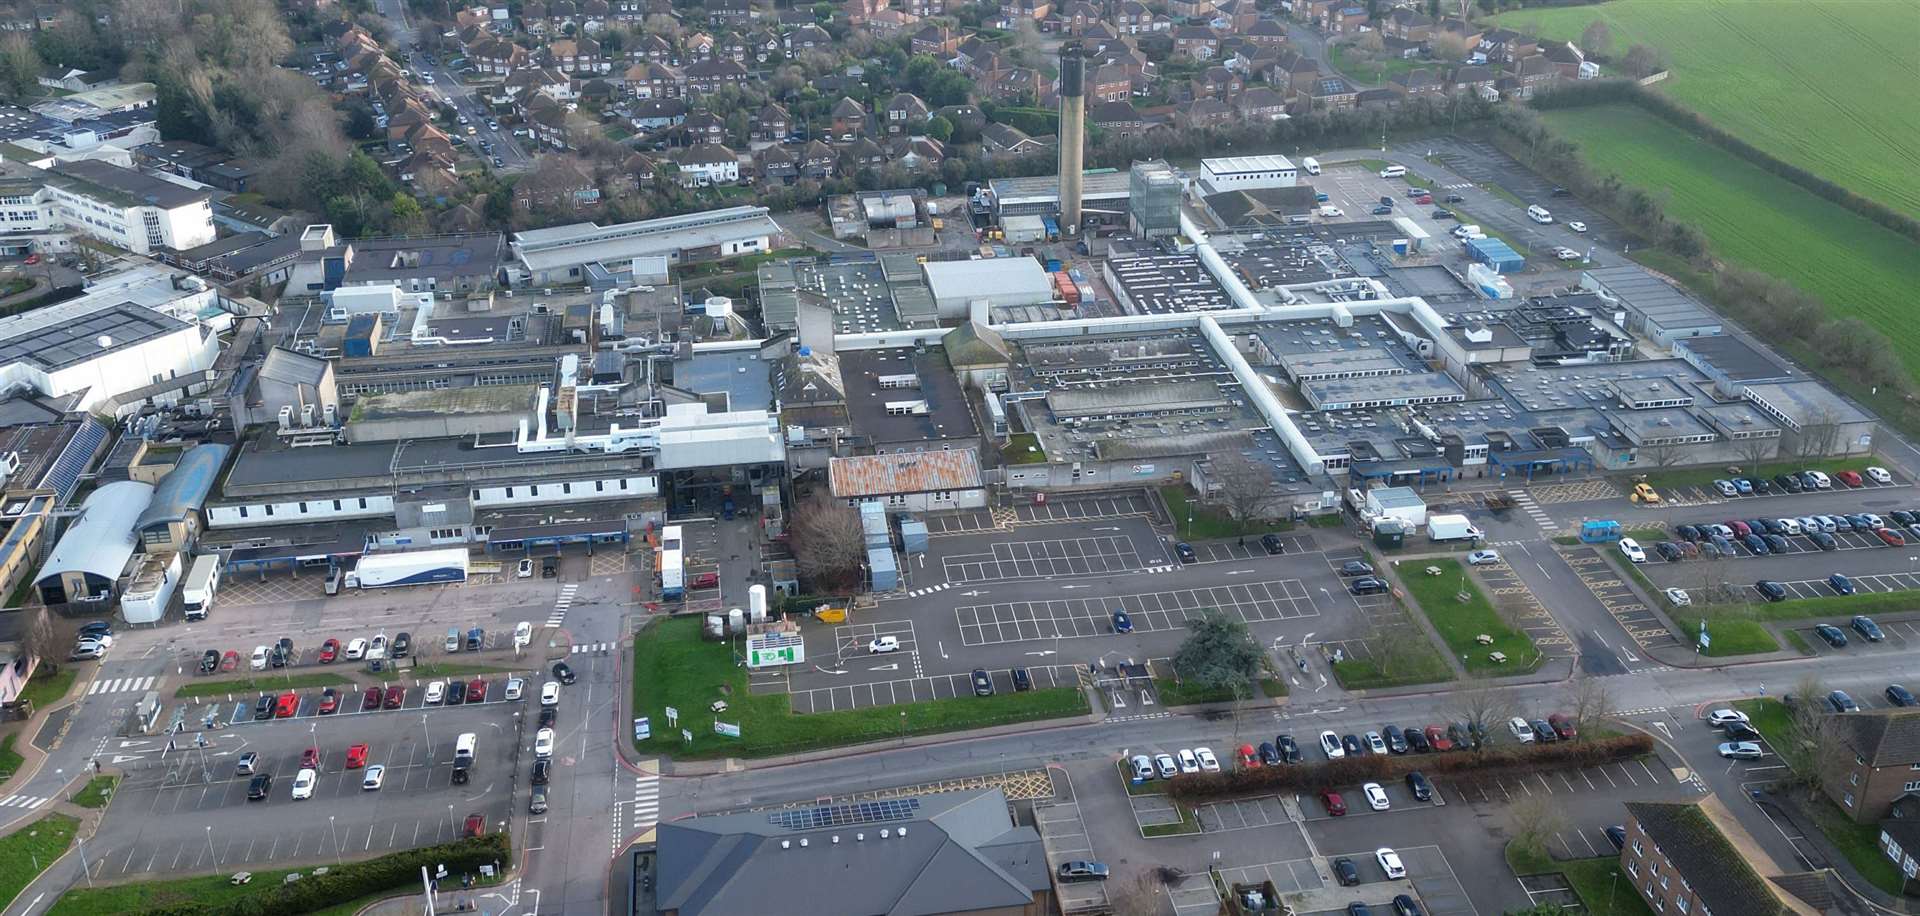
(1820, 85)
(1460, 622)
(1729, 633)
(27, 852)
(1756, 220)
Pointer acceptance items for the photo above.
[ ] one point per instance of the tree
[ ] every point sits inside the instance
(1755, 450)
(828, 544)
(19, 64)
(1533, 818)
(404, 215)
(1590, 702)
(1664, 454)
(939, 128)
(1245, 486)
(1139, 897)
(38, 639)
(1449, 47)
(1812, 746)
(1218, 653)
(1513, 608)
(1597, 38)
(1643, 60)
(1370, 43)
(1485, 709)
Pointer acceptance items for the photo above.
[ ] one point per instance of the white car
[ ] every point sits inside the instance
(1519, 728)
(426, 78)
(515, 687)
(525, 569)
(378, 647)
(1678, 597)
(550, 693)
(436, 692)
(1142, 767)
(1376, 796)
(1566, 254)
(1483, 558)
(259, 661)
(1331, 212)
(1576, 225)
(356, 648)
(1208, 762)
(1375, 743)
(303, 784)
(1189, 761)
(523, 633)
(1789, 525)
(1390, 862)
(1879, 475)
(375, 775)
(1631, 548)
(1330, 745)
(1741, 750)
(543, 744)
(882, 644)
(1164, 763)
(1719, 718)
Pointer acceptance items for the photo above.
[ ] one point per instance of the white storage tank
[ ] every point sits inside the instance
(716, 627)
(719, 306)
(736, 621)
(757, 603)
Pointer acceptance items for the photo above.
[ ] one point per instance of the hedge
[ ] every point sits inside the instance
(356, 880)
(1347, 771)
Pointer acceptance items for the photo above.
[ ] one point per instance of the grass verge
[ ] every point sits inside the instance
(1860, 843)
(1597, 882)
(1704, 477)
(265, 683)
(449, 669)
(44, 690)
(1731, 633)
(97, 792)
(1193, 521)
(1149, 787)
(674, 667)
(25, 853)
(1424, 667)
(10, 759)
(1189, 825)
(1797, 642)
(1174, 693)
(1461, 623)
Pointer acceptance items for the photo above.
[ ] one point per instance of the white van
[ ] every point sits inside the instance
(1539, 214)
(1394, 171)
(1311, 164)
(465, 745)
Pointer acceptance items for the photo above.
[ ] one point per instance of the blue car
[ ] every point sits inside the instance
(1743, 485)
(1122, 623)
(1841, 585)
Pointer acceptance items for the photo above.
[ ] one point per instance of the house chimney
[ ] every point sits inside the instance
(1073, 127)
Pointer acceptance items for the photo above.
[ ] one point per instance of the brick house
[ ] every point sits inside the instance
(1267, 32)
(1261, 103)
(714, 75)
(1109, 83)
(1472, 79)
(1416, 83)
(1878, 761)
(1407, 25)
(1200, 114)
(905, 108)
(818, 161)
(1195, 41)
(1680, 860)
(704, 126)
(651, 80)
(772, 122)
(1506, 46)
(849, 119)
(936, 40)
(1341, 20)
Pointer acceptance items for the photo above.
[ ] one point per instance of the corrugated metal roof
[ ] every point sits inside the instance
(184, 490)
(905, 472)
(101, 540)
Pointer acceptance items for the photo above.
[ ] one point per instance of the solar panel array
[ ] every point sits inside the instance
(869, 812)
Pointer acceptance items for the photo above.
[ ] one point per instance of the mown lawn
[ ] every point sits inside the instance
(10, 759)
(1460, 622)
(97, 792)
(44, 690)
(1423, 667)
(1704, 477)
(1180, 694)
(1196, 521)
(263, 683)
(674, 667)
(1593, 881)
(1730, 633)
(1355, 66)
(28, 851)
(1023, 448)
(1757, 220)
(1786, 77)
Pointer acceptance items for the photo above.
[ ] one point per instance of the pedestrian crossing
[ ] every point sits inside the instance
(1524, 500)
(24, 801)
(561, 604)
(1458, 186)
(588, 648)
(1159, 569)
(121, 685)
(646, 810)
(929, 589)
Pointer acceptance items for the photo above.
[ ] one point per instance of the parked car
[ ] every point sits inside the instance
(356, 756)
(1841, 702)
(1417, 740)
(1396, 739)
(1185, 552)
(1417, 784)
(1335, 805)
(329, 702)
(1122, 622)
(883, 644)
(1351, 744)
(1879, 475)
(1375, 743)
(1563, 726)
(1367, 585)
(1269, 755)
(1187, 760)
(1520, 729)
(1740, 750)
(1404, 905)
(1390, 862)
(982, 683)
(1850, 478)
(260, 787)
(1330, 746)
(1678, 597)
(1631, 548)
(1721, 717)
(1288, 748)
(1726, 488)
(329, 651)
(1376, 796)
(1437, 738)
(1273, 544)
(1834, 636)
(209, 661)
(1356, 568)
(1771, 590)
(1078, 870)
(1898, 695)
(1208, 762)
(371, 700)
(303, 783)
(1164, 765)
(1142, 766)
(1483, 558)
(1890, 537)
(396, 697)
(1345, 872)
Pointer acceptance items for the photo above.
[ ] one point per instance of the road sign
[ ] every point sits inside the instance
(777, 648)
(1705, 640)
(686, 735)
(642, 729)
(673, 717)
(722, 728)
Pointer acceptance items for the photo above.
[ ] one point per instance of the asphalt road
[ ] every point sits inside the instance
(514, 153)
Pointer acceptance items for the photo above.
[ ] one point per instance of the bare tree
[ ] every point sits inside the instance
(1513, 608)
(1664, 454)
(1244, 486)
(1370, 43)
(1395, 647)
(828, 545)
(1596, 38)
(1755, 450)
(1643, 60)
(19, 64)
(1484, 708)
(1449, 47)
(1533, 818)
(38, 638)
(1812, 746)
(1138, 897)
(1590, 701)
(1819, 436)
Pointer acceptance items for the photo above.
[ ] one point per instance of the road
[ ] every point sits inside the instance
(513, 155)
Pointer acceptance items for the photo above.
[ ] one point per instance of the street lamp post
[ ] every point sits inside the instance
(210, 853)
(337, 857)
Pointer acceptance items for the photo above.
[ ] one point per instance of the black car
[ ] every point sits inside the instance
(1772, 525)
(263, 709)
(1357, 908)
(1833, 635)
(1289, 749)
(209, 661)
(1367, 585)
(1688, 533)
(1346, 872)
(1273, 544)
(548, 715)
(1823, 540)
(1777, 543)
(1417, 740)
(1353, 746)
(1185, 551)
(1862, 624)
(1396, 739)
(402, 644)
(259, 787)
(1898, 695)
(563, 673)
(1741, 731)
(1356, 568)
(549, 567)
(1382, 210)
(96, 628)
(1904, 517)
(1617, 835)
(1560, 192)
(1443, 214)
(537, 800)
(277, 658)
(1774, 591)
(542, 772)
(1841, 702)
(1454, 199)
(1404, 905)
(1543, 732)
(1463, 736)
(1756, 544)
(1269, 755)
(982, 683)
(456, 693)
(1417, 784)
(1668, 550)
(1022, 680)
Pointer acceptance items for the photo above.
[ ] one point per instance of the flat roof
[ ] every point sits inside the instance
(1101, 185)
(741, 375)
(74, 335)
(1660, 302)
(127, 187)
(379, 260)
(1806, 402)
(932, 408)
(1734, 358)
(1167, 284)
(1664, 423)
(586, 243)
(1415, 387)
(1134, 397)
(1003, 281)
(1230, 165)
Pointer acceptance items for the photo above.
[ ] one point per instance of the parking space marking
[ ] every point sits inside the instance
(1076, 618)
(1194, 895)
(1290, 876)
(1046, 559)
(1241, 814)
(928, 687)
(1079, 508)
(1534, 618)
(1064, 835)
(1634, 773)
(1634, 616)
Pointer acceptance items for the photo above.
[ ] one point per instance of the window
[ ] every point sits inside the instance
(1638, 849)
(243, 511)
(1633, 868)
(1848, 798)
(1853, 779)
(1680, 903)
(336, 505)
(269, 508)
(599, 486)
(1913, 786)
(363, 502)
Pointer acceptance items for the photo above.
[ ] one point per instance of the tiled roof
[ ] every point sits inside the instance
(1889, 737)
(1718, 874)
(904, 472)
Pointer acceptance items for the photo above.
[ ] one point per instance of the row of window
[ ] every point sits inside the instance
(339, 505)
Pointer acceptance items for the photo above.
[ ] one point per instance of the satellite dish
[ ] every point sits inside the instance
(105, 341)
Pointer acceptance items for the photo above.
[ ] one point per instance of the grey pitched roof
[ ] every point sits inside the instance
(1885, 737)
(1717, 872)
(960, 851)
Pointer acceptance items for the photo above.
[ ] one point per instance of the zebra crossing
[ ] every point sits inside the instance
(1458, 186)
(1159, 569)
(24, 801)
(561, 604)
(121, 685)
(588, 648)
(929, 589)
(646, 810)
(1524, 500)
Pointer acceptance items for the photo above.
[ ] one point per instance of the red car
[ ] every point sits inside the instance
(1437, 737)
(1424, 200)
(1248, 759)
(476, 825)
(371, 700)
(329, 651)
(286, 706)
(705, 580)
(1336, 806)
(1891, 537)
(477, 691)
(33, 259)
(395, 696)
(1851, 478)
(329, 701)
(356, 756)
(230, 661)
(310, 759)
(1563, 726)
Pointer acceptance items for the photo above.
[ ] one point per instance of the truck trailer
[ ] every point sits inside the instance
(414, 567)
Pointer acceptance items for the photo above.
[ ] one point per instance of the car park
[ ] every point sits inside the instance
(1771, 590)
(1082, 871)
(1330, 746)
(982, 683)
(1899, 696)
(883, 644)
(1335, 805)
(303, 783)
(1376, 796)
(1390, 862)
(1833, 635)
(373, 778)
(1122, 623)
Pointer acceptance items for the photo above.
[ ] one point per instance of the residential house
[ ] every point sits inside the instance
(776, 164)
(641, 168)
(1203, 113)
(849, 119)
(524, 84)
(891, 21)
(1234, 16)
(577, 55)
(732, 46)
(809, 37)
(562, 13)
(547, 120)
(772, 123)
(1217, 83)
(1133, 18)
(1531, 74)
(1006, 140)
(1565, 57)
(857, 12)
(1075, 16)
(921, 9)
(703, 126)
(1341, 20)
(707, 163)
(1294, 73)
(698, 46)
(1109, 83)
(763, 44)
(1266, 32)
(1407, 25)
(1376, 98)
(1117, 117)
(1332, 93)
(1189, 9)
(818, 161)
(1198, 42)
(967, 120)
(628, 11)
(497, 56)
(863, 154)
(935, 40)
(905, 109)
(1877, 760)
(1416, 83)
(708, 76)
(649, 46)
(1261, 103)
(74, 79)
(730, 12)
(594, 15)
(647, 115)
(1506, 46)
(1021, 83)
(1015, 10)
(1473, 79)
(1679, 858)
(1461, 30)
(562, 185)
(652, 80)
(917, 153)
